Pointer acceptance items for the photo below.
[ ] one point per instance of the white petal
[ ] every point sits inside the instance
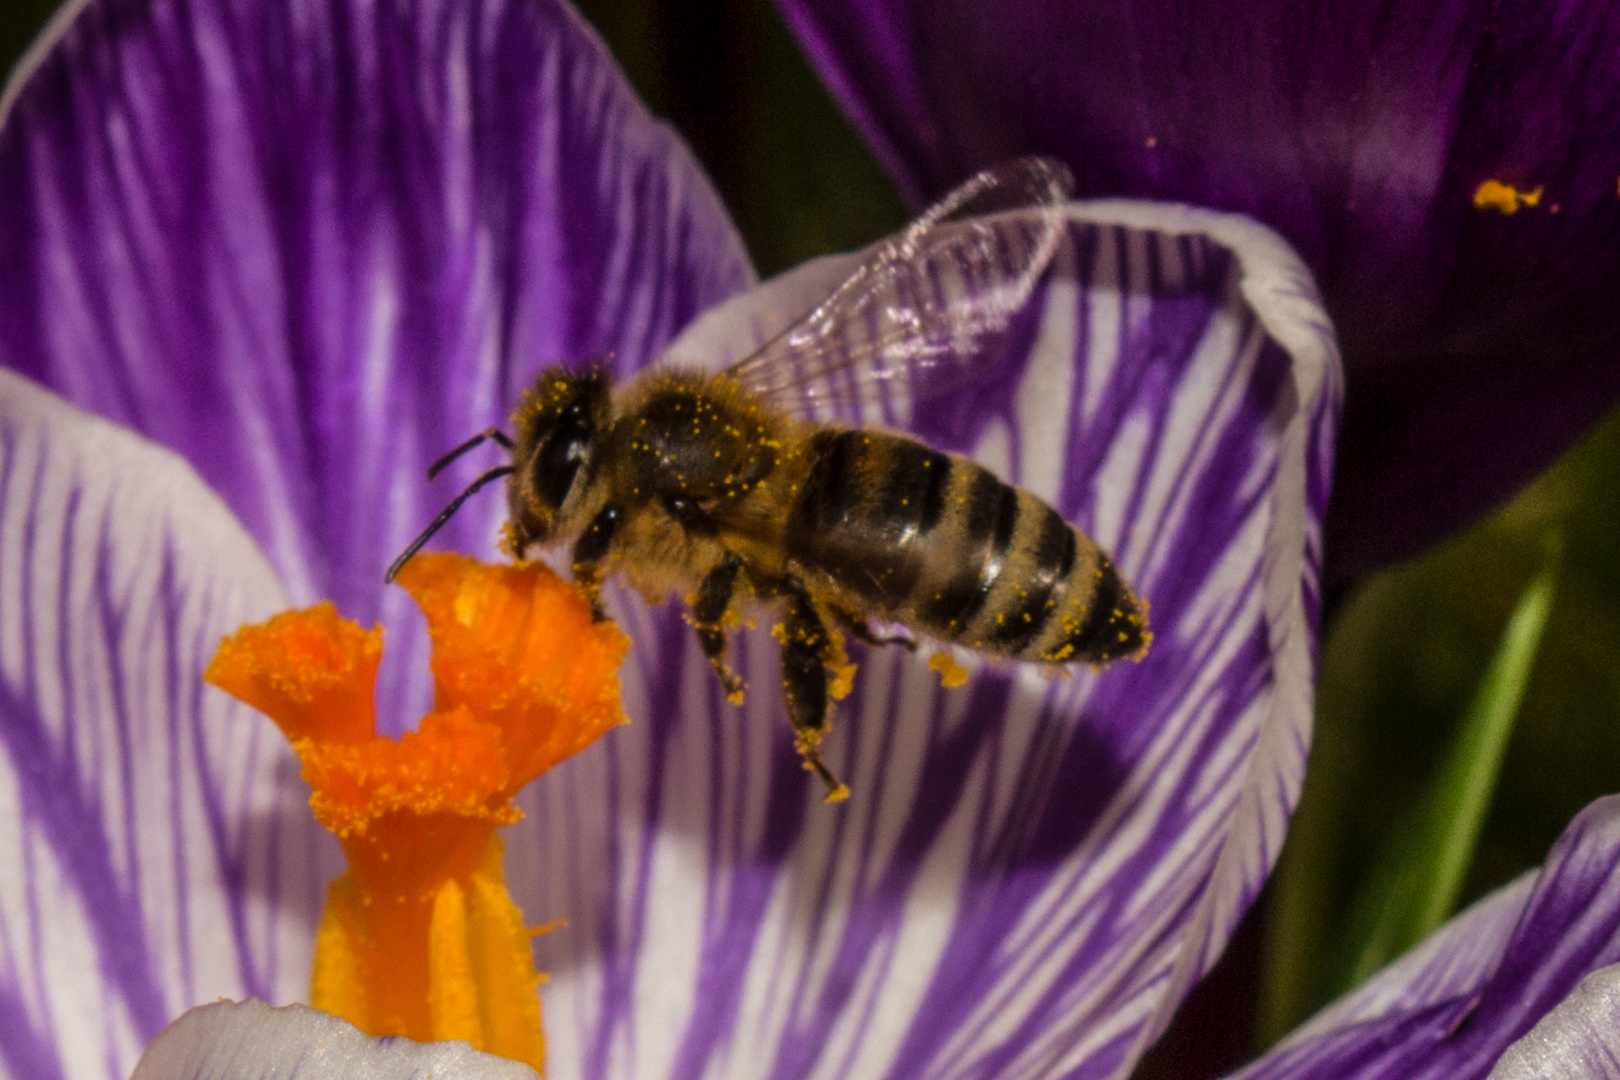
(248, 1040)
(1578, 1040)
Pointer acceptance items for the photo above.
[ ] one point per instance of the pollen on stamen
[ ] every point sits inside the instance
(419, 937)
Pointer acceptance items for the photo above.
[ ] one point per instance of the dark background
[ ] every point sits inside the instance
(1402, 652)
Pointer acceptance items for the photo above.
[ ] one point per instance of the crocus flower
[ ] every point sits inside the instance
(1446, 171)
(260, 263)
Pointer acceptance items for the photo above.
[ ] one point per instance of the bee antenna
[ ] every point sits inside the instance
(443, 463)
(444, 516)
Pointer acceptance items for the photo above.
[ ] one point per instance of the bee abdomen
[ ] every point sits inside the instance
(868, 510)
(1024, 582)
(938, 543)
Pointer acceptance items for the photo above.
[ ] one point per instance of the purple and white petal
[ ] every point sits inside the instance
(1453, 961)
(311, 246)
(1032, 871)
(1482, 981)
(158, 846)
(248, 1040)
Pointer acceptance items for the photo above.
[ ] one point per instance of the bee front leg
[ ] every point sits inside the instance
(590, 551)
(805, 643)
(708, 618)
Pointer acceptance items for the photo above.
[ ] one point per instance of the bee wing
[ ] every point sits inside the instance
(913, 318)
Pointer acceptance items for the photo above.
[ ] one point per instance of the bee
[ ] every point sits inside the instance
(741, 487)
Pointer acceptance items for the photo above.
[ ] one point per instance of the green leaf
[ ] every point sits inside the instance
(1417, 885)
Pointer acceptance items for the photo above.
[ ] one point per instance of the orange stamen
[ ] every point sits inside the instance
(420, 937)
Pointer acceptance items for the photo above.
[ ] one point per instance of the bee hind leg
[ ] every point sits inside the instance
(805, 645)
(708, 619)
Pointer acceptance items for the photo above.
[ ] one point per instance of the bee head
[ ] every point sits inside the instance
(557, 427)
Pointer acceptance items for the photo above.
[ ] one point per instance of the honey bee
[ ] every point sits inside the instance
(740, 487)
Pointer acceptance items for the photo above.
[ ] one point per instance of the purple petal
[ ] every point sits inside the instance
(1478, 346)
(1482, 981)
(1031, 871)
(158, 845)
(248, 1040)
(311, 246)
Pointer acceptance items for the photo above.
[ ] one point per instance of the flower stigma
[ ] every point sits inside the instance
(420, 937)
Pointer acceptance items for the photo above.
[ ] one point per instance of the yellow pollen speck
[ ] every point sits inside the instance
(950, 672)
(842, 670)
(1504, 198)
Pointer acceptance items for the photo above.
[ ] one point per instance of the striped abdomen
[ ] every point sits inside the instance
(893, 528)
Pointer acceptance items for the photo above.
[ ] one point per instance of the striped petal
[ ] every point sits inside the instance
(158, 850)
(1450, 963)
(313, 245)
(1032, 871)
(1513, 962)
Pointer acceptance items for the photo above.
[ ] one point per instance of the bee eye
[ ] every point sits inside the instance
(559, 460)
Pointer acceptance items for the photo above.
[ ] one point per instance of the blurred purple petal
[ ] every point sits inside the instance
(1483, 980)
(248, 1040)
(1478, 346)
(1031, 871)
(311, 246)
(157, 847)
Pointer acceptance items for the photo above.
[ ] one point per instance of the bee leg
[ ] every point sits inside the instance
(708, 618)
(590, 551)
(805, 642)
(863, 633)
